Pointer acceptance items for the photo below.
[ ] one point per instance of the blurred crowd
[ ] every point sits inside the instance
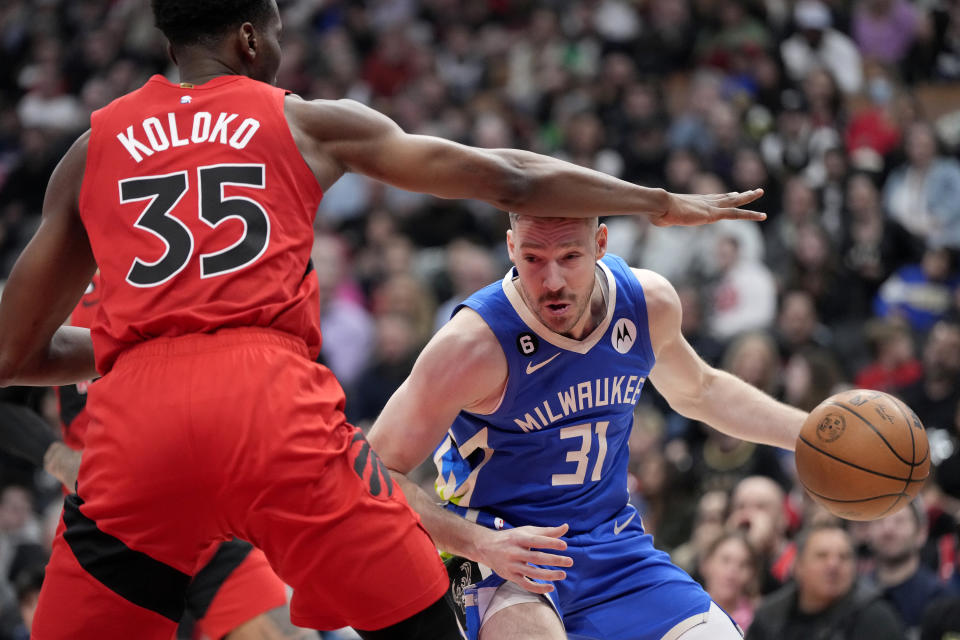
(846, 113)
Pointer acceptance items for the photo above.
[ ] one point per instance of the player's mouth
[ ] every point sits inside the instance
(557, 308)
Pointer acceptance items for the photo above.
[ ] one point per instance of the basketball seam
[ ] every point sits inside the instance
(902, 405)
(823, 497)
(856, 466)
(876, 431)
(913, 445)
(857, 501)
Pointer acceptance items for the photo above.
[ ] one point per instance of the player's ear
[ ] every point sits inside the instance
(601, 241)
(511, 247)
(247, 41)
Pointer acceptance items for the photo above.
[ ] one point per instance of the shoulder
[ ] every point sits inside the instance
(336, 119)
(663, 303)
(466, 335)
(465, 358)
(73, 164)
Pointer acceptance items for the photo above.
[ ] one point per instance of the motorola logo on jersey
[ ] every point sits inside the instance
(624, 334)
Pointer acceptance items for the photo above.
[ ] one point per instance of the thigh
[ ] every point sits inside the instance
(621, 588)
(513, 616)
(236, 586)
(337, 528)
(100, 590)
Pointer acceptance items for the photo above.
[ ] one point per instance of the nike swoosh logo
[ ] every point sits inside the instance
(617, 528)
(533, 367)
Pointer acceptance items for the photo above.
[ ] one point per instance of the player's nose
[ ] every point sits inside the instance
(553, 277)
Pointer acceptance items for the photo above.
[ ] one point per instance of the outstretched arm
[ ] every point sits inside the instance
(362, 140)
(45, 285)
(462, 367)
(701, 392)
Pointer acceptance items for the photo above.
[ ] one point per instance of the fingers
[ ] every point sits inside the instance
(738, 214)
(533, 587)
(550, 559)
(540, 573)
(547, 537)
(736, 199)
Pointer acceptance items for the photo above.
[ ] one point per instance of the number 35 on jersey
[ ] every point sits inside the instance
(162, 193)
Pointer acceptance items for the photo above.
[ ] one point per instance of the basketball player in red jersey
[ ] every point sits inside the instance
(196, 201)
(235, 594)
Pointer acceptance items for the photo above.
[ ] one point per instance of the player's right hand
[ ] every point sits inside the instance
(695, 209)
(512, 552)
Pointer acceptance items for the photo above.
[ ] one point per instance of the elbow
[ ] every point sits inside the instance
(9, 369)
(695, 403)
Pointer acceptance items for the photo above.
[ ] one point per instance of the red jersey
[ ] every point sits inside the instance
(199, 209)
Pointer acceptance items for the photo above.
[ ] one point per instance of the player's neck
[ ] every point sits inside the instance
(197, 70)
(596, 309)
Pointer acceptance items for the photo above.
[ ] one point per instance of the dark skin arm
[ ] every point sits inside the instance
(46, 283)
(336, 136)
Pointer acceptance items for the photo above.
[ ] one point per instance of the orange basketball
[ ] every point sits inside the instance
(862, 454)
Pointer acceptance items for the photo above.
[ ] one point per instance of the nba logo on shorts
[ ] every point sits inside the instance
(498, 523)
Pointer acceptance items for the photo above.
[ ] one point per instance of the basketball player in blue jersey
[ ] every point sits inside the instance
(530, 390)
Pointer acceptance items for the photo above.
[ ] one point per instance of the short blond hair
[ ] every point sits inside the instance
(592, 222)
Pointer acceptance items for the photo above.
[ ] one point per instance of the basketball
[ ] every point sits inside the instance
(862, 454)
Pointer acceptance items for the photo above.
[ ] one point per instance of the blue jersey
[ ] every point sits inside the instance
(555, 450)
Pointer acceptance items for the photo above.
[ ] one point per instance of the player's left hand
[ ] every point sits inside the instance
(693, 209)
(511, 553)
(63, 463)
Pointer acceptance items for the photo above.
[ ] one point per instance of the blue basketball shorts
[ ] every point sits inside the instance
(619, 588)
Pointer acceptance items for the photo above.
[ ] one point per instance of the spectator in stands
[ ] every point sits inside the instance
(884, 30)
(729, 571)
(348, 329)
(923, 195)
(470, 267)
(872, 245)
(941, 620)
(825, 600)
(893, 365)
(397, 346)
(799, 326)
(757, 510)
(908, 585)
(817, 44)
(810, 375)
(934, 398)
(921, 293)
(744, 298)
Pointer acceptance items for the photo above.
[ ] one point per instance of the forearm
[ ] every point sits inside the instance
(739, 409)
(449, 532)
(553, 187)
(67, 359)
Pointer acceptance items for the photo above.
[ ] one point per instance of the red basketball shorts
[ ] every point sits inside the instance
(201, 438)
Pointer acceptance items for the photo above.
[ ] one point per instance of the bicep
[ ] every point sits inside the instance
(369, 143)
(454, 372)
(54, 269)
(679, 374)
